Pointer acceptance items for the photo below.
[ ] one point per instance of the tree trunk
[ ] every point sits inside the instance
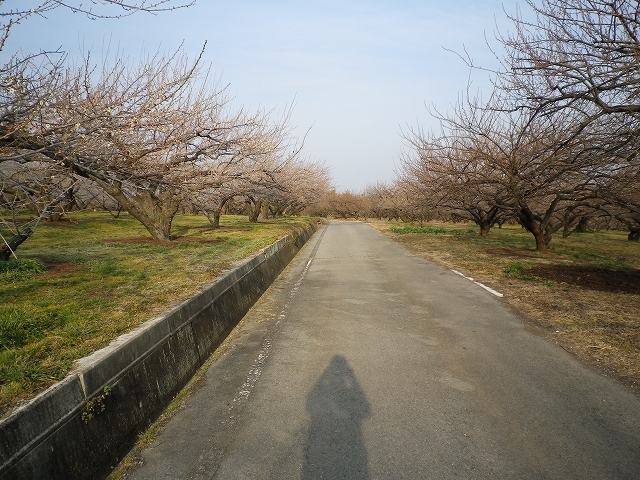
(582, 225)
(154, 210)
(7, 249)
(154, 206)
(264, 210)
(485, 219)
(485, 228)
(633, 226)
(216, 213)
(215, 221)
(528, 220)
(542, 242)
(253, 209)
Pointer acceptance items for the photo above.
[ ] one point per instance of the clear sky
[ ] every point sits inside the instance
(357, 71)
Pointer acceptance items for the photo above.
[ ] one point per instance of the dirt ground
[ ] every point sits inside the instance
(589, 277)
(174, 241)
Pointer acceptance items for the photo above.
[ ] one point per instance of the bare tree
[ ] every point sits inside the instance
(30, 190)
(342, 205)
(417, 201)
(262, 156)
(620, 199)
(146, 134)
(582, 56)
(454, 177)
(301, 185)
(493, 159)
(152, 136)
(30, 193)
(579, 54)
(30, 89)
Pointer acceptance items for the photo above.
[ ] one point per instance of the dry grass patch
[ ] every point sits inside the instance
(583, 294)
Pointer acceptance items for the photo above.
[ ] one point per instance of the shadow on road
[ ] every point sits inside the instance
(335, 444)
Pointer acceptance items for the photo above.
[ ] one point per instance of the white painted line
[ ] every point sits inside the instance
(488, 289)
(242, 395)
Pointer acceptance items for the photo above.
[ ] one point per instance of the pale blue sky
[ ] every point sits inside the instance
(358, 71)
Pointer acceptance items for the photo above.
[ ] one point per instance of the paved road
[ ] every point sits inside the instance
(364, 362)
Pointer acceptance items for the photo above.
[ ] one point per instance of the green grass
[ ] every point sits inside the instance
(516, 269)
(20, 269)
(80, 283)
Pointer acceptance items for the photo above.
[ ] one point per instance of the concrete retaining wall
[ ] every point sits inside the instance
(81, 427)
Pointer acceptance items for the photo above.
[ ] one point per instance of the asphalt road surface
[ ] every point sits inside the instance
(365, 362)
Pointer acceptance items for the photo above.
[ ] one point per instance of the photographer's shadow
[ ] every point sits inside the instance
(335, 443)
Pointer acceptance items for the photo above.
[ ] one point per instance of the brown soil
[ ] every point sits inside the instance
(63, 222)
(223, 228)
(589, 277)
(509, 252)
(151, 241)
(519, 253)
(55, 268)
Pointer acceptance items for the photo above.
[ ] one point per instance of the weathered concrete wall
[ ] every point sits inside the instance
(128, 384)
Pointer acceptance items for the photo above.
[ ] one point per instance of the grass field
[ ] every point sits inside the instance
(583, 294)
(80, 283)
